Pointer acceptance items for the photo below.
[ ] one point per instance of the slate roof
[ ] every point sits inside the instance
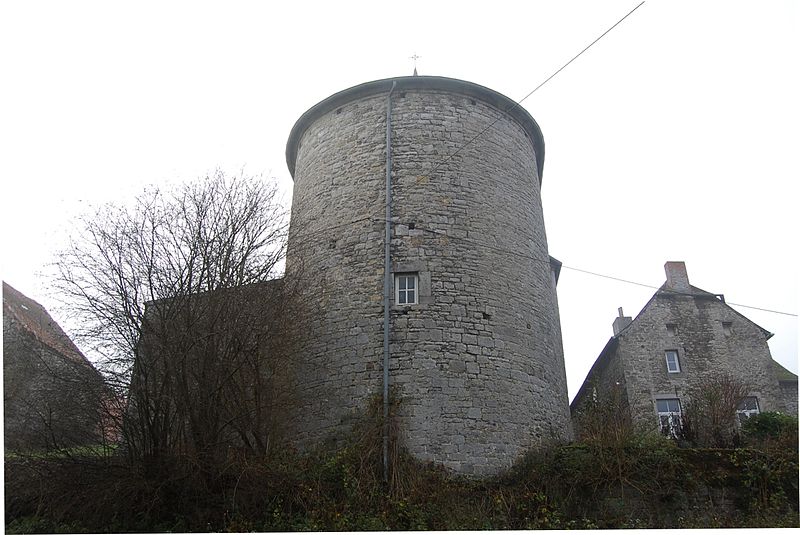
(32, 317)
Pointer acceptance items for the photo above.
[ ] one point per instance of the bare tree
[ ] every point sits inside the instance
(709, 417)
(179, 294)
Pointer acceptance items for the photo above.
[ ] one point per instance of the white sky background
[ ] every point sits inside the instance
(674, 138)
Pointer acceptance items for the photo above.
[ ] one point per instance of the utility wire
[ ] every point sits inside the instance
(763, 309)
(519, 102)
(528, 257)
(593, 273)
(673, 291)
(616, 278)
(516, 104)
(534, 259)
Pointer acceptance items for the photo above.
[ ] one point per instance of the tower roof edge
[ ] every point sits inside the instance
(453, 85)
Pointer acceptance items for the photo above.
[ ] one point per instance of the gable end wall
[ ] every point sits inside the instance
(704, 350)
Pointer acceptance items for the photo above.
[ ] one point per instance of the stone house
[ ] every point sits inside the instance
(52, 395)
(211, 372)
(682, 336)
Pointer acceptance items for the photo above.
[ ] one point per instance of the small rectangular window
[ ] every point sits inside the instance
(669, 416)
(747, 407)
(406, 288)
(672, 329)
(673, 364)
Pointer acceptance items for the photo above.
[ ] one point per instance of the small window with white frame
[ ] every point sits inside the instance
(747, 408)
(406, 288)
(673, 363)
(669, 416)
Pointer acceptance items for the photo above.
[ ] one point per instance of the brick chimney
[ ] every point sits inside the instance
(621, 322)
(677, 278)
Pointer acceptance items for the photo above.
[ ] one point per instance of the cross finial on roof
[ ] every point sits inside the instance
(415, 57)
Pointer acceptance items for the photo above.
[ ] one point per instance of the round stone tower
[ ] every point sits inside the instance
(475, 355)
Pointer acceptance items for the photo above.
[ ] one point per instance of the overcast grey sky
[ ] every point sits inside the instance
(673, 138)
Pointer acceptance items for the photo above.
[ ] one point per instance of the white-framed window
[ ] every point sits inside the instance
(747, 407)
(406, 288)
(673, 363)
(669, 416)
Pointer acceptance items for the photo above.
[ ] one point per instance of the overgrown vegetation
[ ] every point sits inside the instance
(709, 417)
(179, 299)
(771, 430)
(643, 481)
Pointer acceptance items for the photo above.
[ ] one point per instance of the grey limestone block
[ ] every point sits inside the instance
(468, 222)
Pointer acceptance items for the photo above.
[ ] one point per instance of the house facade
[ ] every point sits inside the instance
(52, 396)
(682, 337)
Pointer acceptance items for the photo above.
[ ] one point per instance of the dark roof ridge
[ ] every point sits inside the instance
(218, 291)
(35, 319)
(434, 83)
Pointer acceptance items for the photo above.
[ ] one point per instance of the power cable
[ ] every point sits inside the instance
(668, 290)
(594, 273)
(528, 257)
(519, 102)
(516, 104)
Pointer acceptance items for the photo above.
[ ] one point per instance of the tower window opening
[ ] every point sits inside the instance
(406, 288)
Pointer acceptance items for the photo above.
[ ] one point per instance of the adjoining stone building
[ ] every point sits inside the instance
(52, 395)
(473, 333)
(682, 336)
(209, 378)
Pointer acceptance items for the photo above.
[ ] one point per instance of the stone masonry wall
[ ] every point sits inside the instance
(336, 247)
(704, 348)
(606, 376)
(789, 397)
(478, 363)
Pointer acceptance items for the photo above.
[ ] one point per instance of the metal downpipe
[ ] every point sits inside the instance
(387, 282)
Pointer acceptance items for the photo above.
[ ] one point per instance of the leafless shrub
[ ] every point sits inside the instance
(179, 295)
(605, 420)
(709, 417)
